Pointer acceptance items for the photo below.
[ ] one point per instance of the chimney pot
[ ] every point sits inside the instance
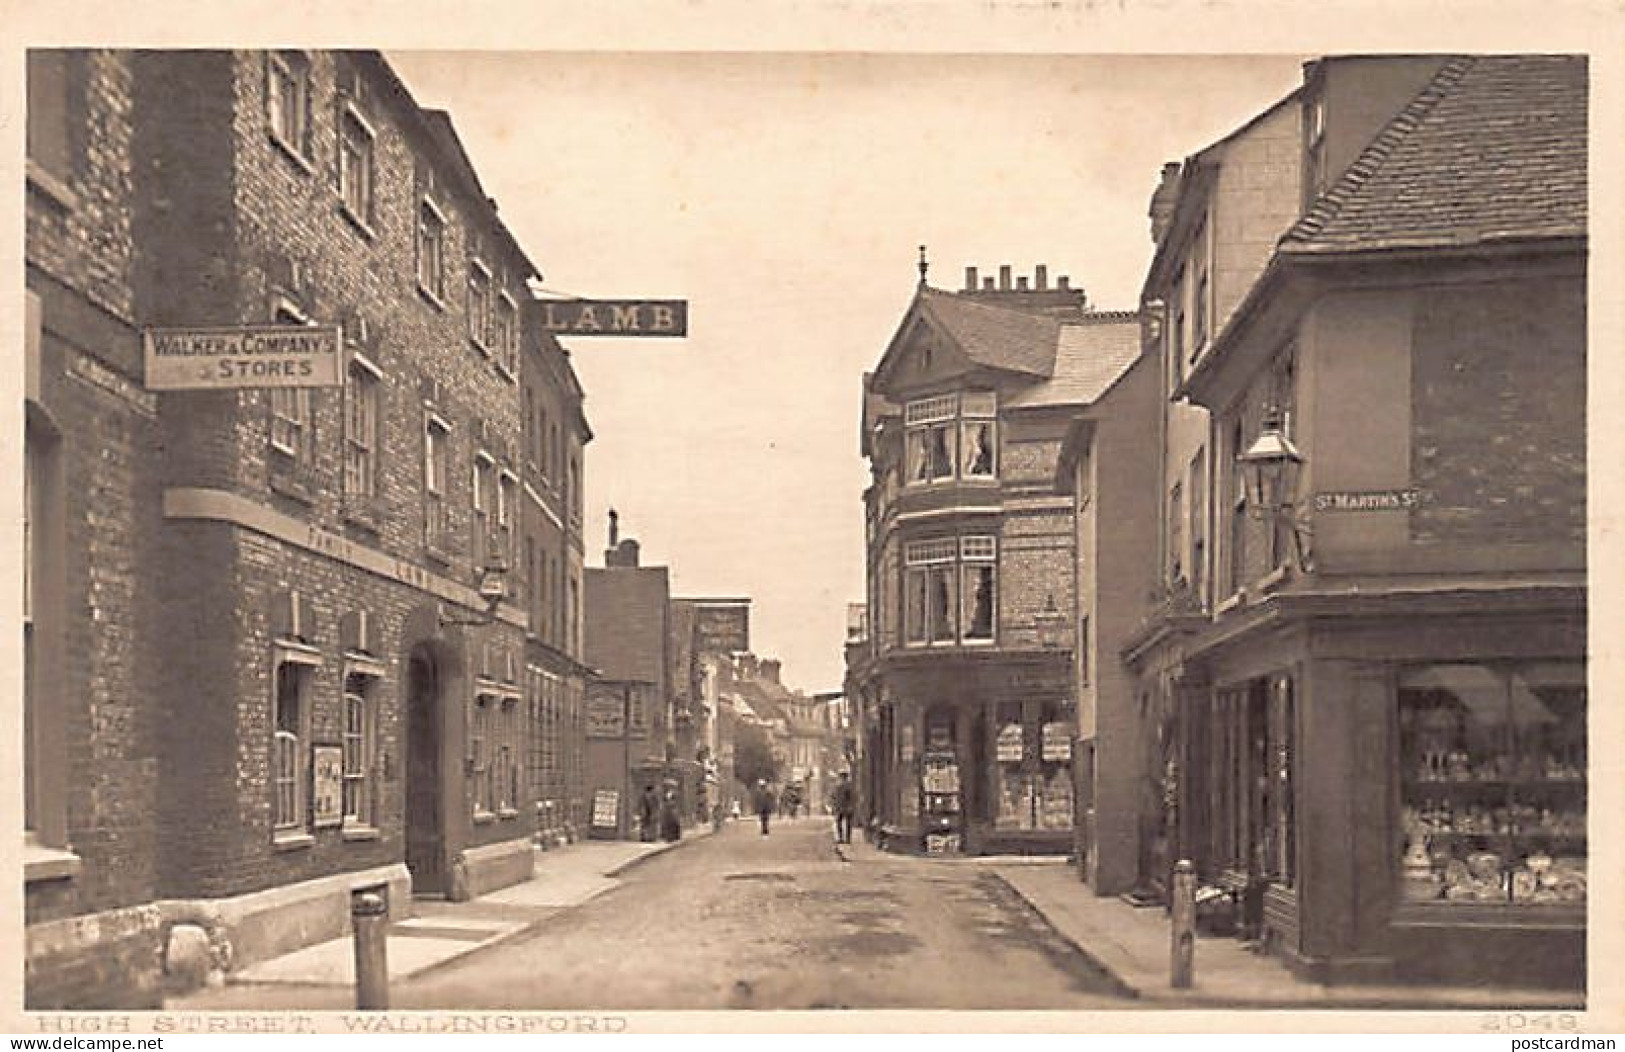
(1041, 277)
(970, 279)
(1063, 282)
(614, 528)
(1021, 283)
(1004, 277)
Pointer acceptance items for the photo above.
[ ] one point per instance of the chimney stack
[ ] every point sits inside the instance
(1004, 278)
(1021, 283)
(1163, 201)
(970, 279)
(987, 284)
(1063, 282)
(1041, 277)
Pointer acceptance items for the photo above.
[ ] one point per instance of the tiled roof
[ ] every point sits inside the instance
(996, 337)
(1089, 357)
(1493, 148)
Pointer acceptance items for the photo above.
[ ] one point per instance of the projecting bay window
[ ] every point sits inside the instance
(950, 591)
(978, 565)
(952, 435)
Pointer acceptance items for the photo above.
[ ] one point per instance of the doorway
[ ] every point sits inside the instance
(425, 832)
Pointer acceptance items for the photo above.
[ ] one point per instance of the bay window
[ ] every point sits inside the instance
(952, 435)
(950, 590)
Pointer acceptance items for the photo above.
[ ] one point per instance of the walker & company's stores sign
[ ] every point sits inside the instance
(244, 356)
(615, 317)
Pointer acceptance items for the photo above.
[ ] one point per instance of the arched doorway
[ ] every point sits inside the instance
(425, 817)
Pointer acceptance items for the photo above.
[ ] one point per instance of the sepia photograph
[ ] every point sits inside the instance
(556, 533)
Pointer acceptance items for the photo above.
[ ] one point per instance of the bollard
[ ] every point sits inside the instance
(1183, 966)
(370, 916)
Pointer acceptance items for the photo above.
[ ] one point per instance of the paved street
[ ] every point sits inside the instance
(744, 921)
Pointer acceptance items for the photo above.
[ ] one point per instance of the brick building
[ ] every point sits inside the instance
(964, 678)
(555, 432)
(261, 676)
(1379, 709)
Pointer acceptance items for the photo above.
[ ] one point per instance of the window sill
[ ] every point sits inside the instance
(1230, 604)
(362, 227)
(364, 513)
(52, 186)
(287, 484)
(1268, 581)
(506, 373)
(484, 818)
(433, 300)
(438, 553)
(506, 813)
(356, 833)
(479, 345)
(292, 841)
(41, 863)
(291, 152)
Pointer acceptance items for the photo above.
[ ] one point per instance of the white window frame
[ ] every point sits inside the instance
(479, 304)
(507, 505)
(977, 552)
(288, 118)
(360, 743)
(431, 250)
(436, 464)
(290, 749)
(505, 332)
(363, 413)
(356, 169)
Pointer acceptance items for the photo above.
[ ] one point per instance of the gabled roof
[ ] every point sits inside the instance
(1494, 148)
(996, 337)
(1089, 357)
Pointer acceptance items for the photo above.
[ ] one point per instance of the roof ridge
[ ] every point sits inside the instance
(1371, 159)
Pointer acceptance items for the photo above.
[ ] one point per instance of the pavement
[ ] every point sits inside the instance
(442, 932)
(1131, 945)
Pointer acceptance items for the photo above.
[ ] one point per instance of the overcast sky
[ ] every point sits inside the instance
(784, 196)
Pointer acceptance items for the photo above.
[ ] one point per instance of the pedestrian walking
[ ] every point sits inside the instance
(648, 813)
(845, 803)
(763, 799)
(671, 824)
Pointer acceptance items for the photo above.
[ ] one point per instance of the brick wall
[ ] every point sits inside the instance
(1498, 403)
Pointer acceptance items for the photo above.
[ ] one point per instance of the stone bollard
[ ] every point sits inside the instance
(370, 916)
(1183, 908)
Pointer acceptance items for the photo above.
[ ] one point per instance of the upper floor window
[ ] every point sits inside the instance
(950, 590)
(48, 139)
(355, 165)
(436, 467)
(950, 435)
(361, 428)
(484, 487)
(505, 333)
(1198, 505)
(431, 250)
(479, 304)
(287, 100)
(1176, 535)
(507, 508)
(1176, 333)
(290, 420)
(1200, 308)
(1314, 150)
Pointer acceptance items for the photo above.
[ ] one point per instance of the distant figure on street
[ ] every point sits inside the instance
(763, 800)
(845, 802)
(734, 811)
(648, 813)
(671, 825)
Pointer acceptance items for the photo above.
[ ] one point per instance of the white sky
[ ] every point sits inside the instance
(785, 196)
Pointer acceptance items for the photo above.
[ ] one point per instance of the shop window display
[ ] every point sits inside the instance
(1033, 772)
(1493, 777)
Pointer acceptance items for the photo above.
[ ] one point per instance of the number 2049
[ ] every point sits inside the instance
(1521, 1023)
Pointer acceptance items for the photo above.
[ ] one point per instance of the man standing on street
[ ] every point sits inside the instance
(843, 799)
(764, 802)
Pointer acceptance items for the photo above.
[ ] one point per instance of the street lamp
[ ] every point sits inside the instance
(492, 588)
(1270, 469)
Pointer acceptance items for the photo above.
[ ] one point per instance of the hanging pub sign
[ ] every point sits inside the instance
(238, 356)
(1011, 746)
(1057, 741)
(615, 317)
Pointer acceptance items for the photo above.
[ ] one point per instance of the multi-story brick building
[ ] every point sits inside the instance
(555, 433)
(1381, 717)
(965, 679)
(262, 675)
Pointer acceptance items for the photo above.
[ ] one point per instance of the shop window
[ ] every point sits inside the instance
(355, 165)
(1493, 776)
(287, 100)
(1032, 754)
